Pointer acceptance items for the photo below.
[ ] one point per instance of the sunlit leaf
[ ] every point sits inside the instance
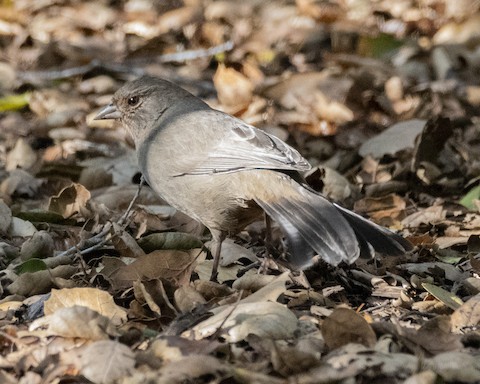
(14, 102)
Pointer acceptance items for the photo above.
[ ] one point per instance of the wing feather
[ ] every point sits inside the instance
(242, 146)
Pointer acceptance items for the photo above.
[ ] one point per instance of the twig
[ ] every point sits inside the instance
(100, 239)
(219, 328)
(129, 66)
(195, 53)
(85, 244)
(122, 220)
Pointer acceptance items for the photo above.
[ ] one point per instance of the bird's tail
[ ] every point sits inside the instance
(336, 234)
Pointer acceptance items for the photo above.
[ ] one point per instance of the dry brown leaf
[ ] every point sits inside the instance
(33, 283)
(271, 291)
(171, 265)
(346, 326)
(20, 182)
(232, 253)
(381, 208)
(106, 361)
(237, 321)
(94, 178)
(472, 285)
(5, 217)
(354, 359)
(212, 290)
(124, 243)
(397, 137)
(70, 201)
(21, 156)
(187, 298)
(456, 367)
(8, 378)
(322, 11)
(229, 10)
(332, 111)
(290, 358)
(435, 336)
(204, 270)
(430, 215)
(299, 90)
(424, 377)
(93, 298)
(449, 271)
(458, 33)
(234, 90)
(252, 283)
(173, 348)
(475, 263)
(178, 18)
(335, 186)
(169, 240)
(193, 368)
(40, 245)
(152, 293)
(7, 76)
(394, 88)
(21, 228)
(98, 85)
(76, 322)
(467, 316)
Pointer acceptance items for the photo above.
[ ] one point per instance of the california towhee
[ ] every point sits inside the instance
(224, 173)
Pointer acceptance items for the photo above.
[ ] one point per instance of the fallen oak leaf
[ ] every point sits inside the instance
(346, 326)
(76, 322)
(93, 298)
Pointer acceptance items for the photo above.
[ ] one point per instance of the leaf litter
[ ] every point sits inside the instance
(381, 98)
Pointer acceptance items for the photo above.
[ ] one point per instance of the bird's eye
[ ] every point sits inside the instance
(133, 100)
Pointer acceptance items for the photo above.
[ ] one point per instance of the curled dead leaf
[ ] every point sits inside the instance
(70, 201)
(467, 316)
(187, 298)
(237, 321)
(233, 88)
(172, 265)
(346, 326)
(105, 361)
(28, 284)
(93, 298)
(76, 322)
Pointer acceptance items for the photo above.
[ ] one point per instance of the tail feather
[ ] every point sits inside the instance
(308, 217)
(311, 222)
(298, 245)
(381, 239)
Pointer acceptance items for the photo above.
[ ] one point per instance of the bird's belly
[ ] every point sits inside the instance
(216, 201)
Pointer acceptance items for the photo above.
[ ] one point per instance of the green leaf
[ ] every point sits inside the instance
(14, 102)
(468, 200)
(380, 46)
(448, 256)
(32, 265)
(169, 240)
(449, 299)
(41, 216)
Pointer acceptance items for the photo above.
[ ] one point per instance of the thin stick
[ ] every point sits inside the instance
(100, 239)
(129, 66)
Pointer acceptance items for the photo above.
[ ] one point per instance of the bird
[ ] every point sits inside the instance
(226, 173)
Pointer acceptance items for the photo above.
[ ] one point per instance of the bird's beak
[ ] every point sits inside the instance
(108, 112)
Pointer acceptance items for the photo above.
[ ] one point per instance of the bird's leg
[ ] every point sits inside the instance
(268, 232)
(217, 240)
(268, 244)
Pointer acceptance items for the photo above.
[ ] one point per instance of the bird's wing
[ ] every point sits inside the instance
(240, 146)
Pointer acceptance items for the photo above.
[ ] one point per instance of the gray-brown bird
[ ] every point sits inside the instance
(225, 173)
